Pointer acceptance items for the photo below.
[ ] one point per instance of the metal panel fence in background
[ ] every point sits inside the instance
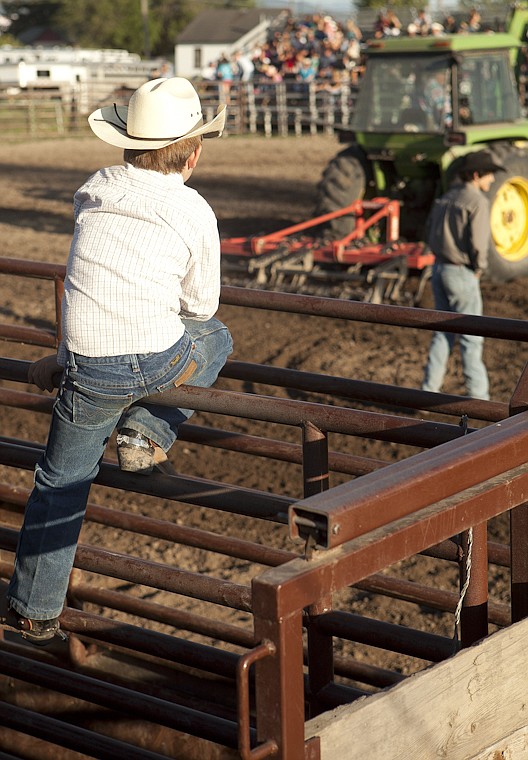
(260, 107)
(122, 687)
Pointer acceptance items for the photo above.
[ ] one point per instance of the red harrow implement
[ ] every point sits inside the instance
(371, 263)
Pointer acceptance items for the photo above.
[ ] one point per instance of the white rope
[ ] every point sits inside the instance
(458, 611)
(464, 589)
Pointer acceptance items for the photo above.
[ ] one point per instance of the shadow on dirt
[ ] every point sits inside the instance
(39, 222)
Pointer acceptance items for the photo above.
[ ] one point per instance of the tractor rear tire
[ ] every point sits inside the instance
(344, 180)
(508, 254)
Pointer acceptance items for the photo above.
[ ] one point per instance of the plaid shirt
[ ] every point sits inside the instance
(145, 251)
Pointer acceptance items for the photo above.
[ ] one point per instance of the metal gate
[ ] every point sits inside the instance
(143, 679)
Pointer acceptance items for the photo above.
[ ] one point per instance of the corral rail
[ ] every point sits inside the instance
(132, 680)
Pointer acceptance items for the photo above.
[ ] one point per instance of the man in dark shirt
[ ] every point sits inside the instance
(459, 235)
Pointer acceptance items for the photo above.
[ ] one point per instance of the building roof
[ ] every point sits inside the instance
(225, 25)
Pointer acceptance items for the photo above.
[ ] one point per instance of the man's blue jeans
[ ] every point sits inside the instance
(456, 288)
(95, 396)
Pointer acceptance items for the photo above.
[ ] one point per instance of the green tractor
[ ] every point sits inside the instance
(423, 103)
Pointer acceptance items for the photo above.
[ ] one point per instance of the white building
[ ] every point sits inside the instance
(222, 31)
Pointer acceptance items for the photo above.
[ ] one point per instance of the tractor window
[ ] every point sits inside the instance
(486, 89)
(405, 94)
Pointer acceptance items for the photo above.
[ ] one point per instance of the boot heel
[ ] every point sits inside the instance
(135, 452)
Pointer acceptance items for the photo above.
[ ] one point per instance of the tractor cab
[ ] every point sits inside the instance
(436, 92)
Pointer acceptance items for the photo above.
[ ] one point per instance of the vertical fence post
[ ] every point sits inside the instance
(315, 460)
(330, 119)
(59, 117)
(519, 523)
(474, 614)
(279, 679)
(344, 104)
(32, 119)
(282, 110)
(238, 107)
(519, 562)
(312, 100)
(297, 122)
(320, 645)
(251, 108)
(268, 128)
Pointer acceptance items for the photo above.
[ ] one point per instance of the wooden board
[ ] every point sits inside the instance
(473, 706)
(512, 747)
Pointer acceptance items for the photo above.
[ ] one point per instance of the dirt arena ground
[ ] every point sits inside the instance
(254, 185)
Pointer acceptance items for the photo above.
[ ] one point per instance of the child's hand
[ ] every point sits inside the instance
(45, 373)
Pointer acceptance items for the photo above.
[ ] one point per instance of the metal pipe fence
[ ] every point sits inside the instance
(282, 108)
(261, 106)
(249, 680)
(258, 107)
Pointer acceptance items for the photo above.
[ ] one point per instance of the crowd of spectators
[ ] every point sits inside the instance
(423, 25)
(317, 48)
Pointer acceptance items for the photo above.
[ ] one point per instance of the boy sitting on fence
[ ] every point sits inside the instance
(141, 291)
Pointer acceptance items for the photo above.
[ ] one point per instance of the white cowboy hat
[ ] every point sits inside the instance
(159, 113)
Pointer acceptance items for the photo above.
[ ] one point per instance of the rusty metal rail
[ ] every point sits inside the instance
(256, 678)
(280, 595)
(383, 427)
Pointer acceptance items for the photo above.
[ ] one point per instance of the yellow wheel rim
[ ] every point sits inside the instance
(509, 219)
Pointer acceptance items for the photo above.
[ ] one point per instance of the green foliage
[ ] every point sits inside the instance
(167, 20)
(113, 23)
(25, 15)
(101, 23)
(8, 39)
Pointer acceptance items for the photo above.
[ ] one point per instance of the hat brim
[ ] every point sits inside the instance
(494, 168)
(110, 125)
(481, 167)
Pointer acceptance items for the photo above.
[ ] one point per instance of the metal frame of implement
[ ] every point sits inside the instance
(291, 251)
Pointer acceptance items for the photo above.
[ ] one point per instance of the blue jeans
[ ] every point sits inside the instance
(456, 288)
(96, 395)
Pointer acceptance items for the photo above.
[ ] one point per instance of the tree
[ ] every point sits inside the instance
(24, 15)
(113, 23)
(7, 39)
(102, 23)
(167, 19)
